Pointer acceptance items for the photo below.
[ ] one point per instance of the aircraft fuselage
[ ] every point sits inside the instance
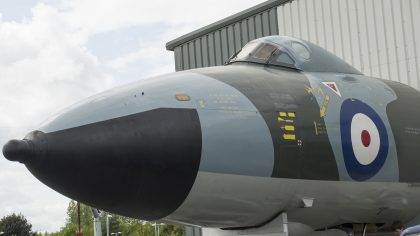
(236, 145)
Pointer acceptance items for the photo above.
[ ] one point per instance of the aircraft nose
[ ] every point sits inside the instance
(141, 165)
(18, 150)
(26, 150)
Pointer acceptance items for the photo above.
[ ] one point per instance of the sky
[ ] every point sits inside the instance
(54, 53)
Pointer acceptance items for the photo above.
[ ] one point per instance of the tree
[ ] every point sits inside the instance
(117, 223)
(15, 225)
(172, 230)
(86, 220)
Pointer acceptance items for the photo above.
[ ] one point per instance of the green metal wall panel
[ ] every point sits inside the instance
(265, 27)
(205, 51)
(185, 57)
(244, 32)
(218, 47)
(198, 53)
(191, 53)
(212, 53)
(215, 48)
(231, 40)
(225, 45)
(259, 26)
(273, 21)
(251, 28)
(238, 38)
(178, 58)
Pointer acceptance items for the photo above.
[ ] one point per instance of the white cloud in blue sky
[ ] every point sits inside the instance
(54, 53)
(16, 10)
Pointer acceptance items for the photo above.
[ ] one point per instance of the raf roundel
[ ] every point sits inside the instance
(364, 139)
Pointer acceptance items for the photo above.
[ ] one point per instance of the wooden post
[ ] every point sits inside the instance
(79, 233)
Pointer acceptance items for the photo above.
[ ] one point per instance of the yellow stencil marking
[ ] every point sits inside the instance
(279, 119)
(319, 90)
(288, 128)
(309, 90)
(287, 118)
(289, 136)
(323, 110)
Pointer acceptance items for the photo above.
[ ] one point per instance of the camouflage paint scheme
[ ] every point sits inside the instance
(313, 165)
(271, 137)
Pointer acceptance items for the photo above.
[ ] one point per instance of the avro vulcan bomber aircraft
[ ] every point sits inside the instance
(285, 138)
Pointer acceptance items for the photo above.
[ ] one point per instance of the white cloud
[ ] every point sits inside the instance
(46, 65)
(22, 193)
(112, 14)
(148, 55)
(41, 61)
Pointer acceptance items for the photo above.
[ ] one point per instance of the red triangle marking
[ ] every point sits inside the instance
(333, 87)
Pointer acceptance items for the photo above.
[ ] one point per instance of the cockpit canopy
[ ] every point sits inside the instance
(293, 53)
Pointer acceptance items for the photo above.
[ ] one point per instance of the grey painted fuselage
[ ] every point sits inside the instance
(234, 146)
(238, 184)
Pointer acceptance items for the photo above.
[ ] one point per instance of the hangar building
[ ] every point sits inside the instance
(381, 38)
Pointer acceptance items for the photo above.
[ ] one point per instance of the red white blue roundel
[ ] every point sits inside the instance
(364, 139)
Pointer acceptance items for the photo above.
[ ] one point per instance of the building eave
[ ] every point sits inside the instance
(224, 22)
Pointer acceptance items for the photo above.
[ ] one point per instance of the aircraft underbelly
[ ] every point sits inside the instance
(226, 200)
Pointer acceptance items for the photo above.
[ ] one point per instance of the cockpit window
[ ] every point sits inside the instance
(264, 52)
(301, 50)
(293, 53)
(284, 59)
(246, 51)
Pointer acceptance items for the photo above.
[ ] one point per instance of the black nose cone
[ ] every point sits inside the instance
(27, 150)
(18, 150)
(141, 165)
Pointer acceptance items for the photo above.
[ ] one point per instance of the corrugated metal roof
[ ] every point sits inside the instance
(224, 22)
